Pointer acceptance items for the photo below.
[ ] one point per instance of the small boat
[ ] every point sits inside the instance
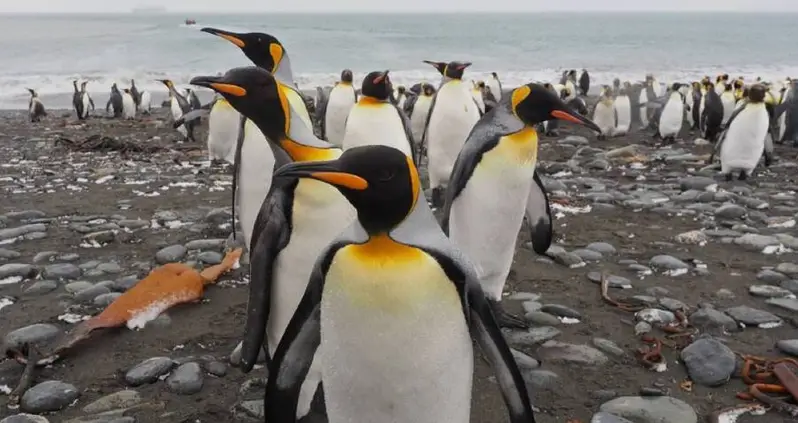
(190, 22)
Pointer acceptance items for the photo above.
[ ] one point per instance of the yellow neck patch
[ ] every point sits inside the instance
(276, 51)
(519, 95)
(369, 101)
(415, 182)
(381, 250)
(303, 153)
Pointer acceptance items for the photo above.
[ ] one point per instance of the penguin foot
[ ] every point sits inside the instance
(505, 319)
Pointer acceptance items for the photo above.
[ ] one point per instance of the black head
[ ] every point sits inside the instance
(756, 93)
(263, 50)
(167, 82)
(481, 85)
(75, 83)
(616, 82)
(254, 93)
(132, 83)
(127, 90)
(534, 103)
(709, 86)
(114, 87)
(346, 76)
(377, 85)
(738, 83)
(724, 77)
(31, 91)
(381, 183)
(494, 75)
(729, 87)
(83, 85)
(401, 89)
(675, 86)
(452, 70)
(428, 89)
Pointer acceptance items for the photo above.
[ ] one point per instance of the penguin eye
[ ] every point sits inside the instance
(385, 175)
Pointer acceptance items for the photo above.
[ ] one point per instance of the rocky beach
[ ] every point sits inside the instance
(704, 268)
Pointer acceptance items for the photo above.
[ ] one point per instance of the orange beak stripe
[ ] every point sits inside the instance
(232, 39)
(346, 180)
(559, 114)
(229, 89)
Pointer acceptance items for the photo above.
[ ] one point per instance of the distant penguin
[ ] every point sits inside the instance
(584, 82)
(335, 110)
(495, 86)
(35, 107)
(657, 87)
(179, 106)
(224, 124)
(712, 115)
(694, 100)
(114, 101)
(672, 116)
(374, 120)
(623, 111)
(145, 102)
(192, 98)
(721, 83)
(604, 113)
(128, 105)
(728, 101)
(616, 86)
(786, 114)
(476, 92)
(570, 86)
(419, 110)
(135, 93)
(85, 98)
(452, 115)
(400, 95)
(633, 91)
(743, 142)
(77, 102)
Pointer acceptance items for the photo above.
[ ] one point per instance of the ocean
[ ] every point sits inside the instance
(46, 52)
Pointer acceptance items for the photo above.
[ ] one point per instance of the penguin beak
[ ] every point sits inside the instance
(463, 65)
(381, 77)
(227, 35)
(329, 172)
(219, 85)
(564, 114)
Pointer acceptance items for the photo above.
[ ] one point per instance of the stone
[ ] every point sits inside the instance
(171, 254)
(205, 244)
(789, 304)
(112, 268)
(216, 368)
(531, 337)
(790, 285)
(10, 233)
(539, 379)
(609, 347)
(789, 346)
(118, 400)
(587, 255)
(104, 300)
(77, 286)
(756, 242)
(730, 211)
(89, 294)
(709, 362)
(556, 351)
(149, 371)
(602, 417)
(770, 276)
(235, 356)
(752, 316)
(539, 318)
(6, 254)
(696, 182)
(186, 379)
(789, 269)
(25, 418)
(62, 271)
(601, 247)
(51, 395)
(38, 333)
(41, 287)
(560, 311)
(667, 262)
(709, 318)
(663, 409)
(613, 281)
(524, 361)
(44, 256)
(16, 269)
(210, 257)
(769, 291)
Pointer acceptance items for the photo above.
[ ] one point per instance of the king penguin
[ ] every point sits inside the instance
(135, 93)
(336, 109)
(77, 102)
(389, 306)
(672, 116)
(296, 221)
(712, 114)
(85, 98)
(114, 101)
(477, 92)
(694, 100)
(35, 106)
(495, 86)
(224, 125)
(742, 144)
(417, 109)
(128, 105)
(375, 120)
(494, 182)
(179, 106)
(787, 114)
(452, 115)
(604, 113)
(584, 82)
(623, 110)
(729, 101)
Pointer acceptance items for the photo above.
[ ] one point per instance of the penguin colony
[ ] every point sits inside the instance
(353, 278)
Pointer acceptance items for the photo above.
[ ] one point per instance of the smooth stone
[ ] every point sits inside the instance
(75, 287)
(531, 337)
(205, 244)
(790, 285)
(126, 282)
(216, 368)
(539, 318)
(663, 409)
(69, 257)
(769, 291)
(112, 268)
(165, 216)
(171, 254)
(709, 362)
(252, 408)
(51, 395)
(26, 214)
(91, 264)
(751, 316)
(612, 280)
(756, 242)
(789, 269)
(730, 211)
(709, 318)
(62, 271)
(104, 300)
(16, 269)
(531, 306)
(789, 304)
(609, 347)
(672, 304)
(186, 379)
(642, 327)
(89, 294)
(41, 287)
(210, 257)
(601, 247)
(118, 400)
(33, 334)
(6, 254)
(133, 224)
(696, 182)
(556, 351)
(523, 296)
(148, 371)
(21, 230)
(770, 276)
(667, 262)
(524, 361)
(25, 418)
(539, 379)
(602, 417)
(587, 255)
(789, 346)
(569, 260)
(655, 315)
(560, 311)
(44, 256)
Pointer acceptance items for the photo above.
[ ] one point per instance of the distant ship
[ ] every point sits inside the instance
(190, 21)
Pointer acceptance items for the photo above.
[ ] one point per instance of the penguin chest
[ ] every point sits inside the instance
(745, 138)
(370, 124)
(623, 111)
(670, 121)
(394, 342)
(495, 89)
(223, 126)
(418, 118)
(174, 107)
(604, 116)
(342, 98)
(477, 95)
(453, 116)
(297, 103)
(728, 101)
(254, 176)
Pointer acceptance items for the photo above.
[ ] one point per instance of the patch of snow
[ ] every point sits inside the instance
(9, 281)
(73, 318)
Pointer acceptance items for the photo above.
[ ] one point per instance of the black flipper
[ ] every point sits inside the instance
(237, 166)
(321, 111)
(191, 116)
(538, 215)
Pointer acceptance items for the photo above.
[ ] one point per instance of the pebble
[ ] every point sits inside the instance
(662, 409)
(587, 255)
(655, 315)
(601, 247)
(751, 316)
(609, 347)
(789, 346)
(770, 276)
(171, 254)
(524, 361)
(149, 371)
(216, 368)
(709, 318)
(613, 281)
(62, 271)
(38, 333)
(769, 291)
(533, 336)
(16, 269)
(51, 395)
(790, 285)
(112, 268)
(560, 311)
(44, 256)
(210, 257)
(41, 287)
(25, 418)
(126, 282)
(77, 286)
(21, 230)
(667, 262)
(539, 378)
(118, 400)
(539, 318)
(205, 244)
(730, 211)
(789, 304)
(602, 417)
(89, 294)
(709, 362)
(235, 356)
(6, 254)
(696, 182)
(789, 269)
(104, 300)
(186, 379)
(556, 351)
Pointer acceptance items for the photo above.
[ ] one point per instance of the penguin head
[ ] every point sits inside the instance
(401, 89)
(83, 85)
(428, 89)
(756, 93)
(255, 93)
(380, 182)
(675, 86)
(616, 82)
(738, 83)
(346, 76)
(263, 50)
(534, 103)
(32, 92)
(114, 88)
(126, 90)
(377, 85)
(724, 77)
(452, 70)
(481, 85)
(493, 74)
(167, 82)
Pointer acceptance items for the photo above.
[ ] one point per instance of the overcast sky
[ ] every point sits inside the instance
(55, 6)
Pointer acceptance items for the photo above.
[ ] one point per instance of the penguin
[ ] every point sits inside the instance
(721, 83)
(616, 86)
(335, 109)
(694, 100)
(786, 114)
(492, 180)
(400, 95)
(128, 105)
(712, 115)
(657, 87)
(192, 98)
(418, 110)
(647, 95)
(476, 93)
(375, 120)
(728, 101)
(77, 102)
(584, 82)
(135, 93)
(115, 101)
(297, 219)
(570, 86)
(388, 291)
(604, 114)
(743, 142)
(623, 111)
(179, 106)
(672, 116)
(224, 123)
(634, 100)
(268, 52)
(145, 102)
(488, 99)
(86, 99)
(738, 86)
(35, 106)
(495, 86)
(452, 115)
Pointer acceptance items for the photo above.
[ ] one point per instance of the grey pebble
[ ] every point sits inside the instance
(21, 230)
(77, 286)
(539, 318)
(709, 362)
(667, 262)
(769, 291)
(790, 285)
(148, 371)
(587, 255)
(51, 395)
(118, 400)
(62, 271)
(609, 347)
(601, 247)
(524, 361)
(787, 268)
(531, 337)
(38, 333)
(789, 304)
(41, 287)
(602, 417)
(187, 379)
(751, 316)
(126, 282)
(104, 300)
(210, 257)
(44, 256)
(770, 276)
(171, 254)
(134, 224)
(87, 295)
(730, 211)
(559, 352)
(539, 379)
(613, 281)
(25, 418)
(205, 244)
(560, 311)
(6, 254)
(69, 257)
(789, 346)
(91, 264)
(662, 409)
(531, 306)
(112, 268)
(216, 368)
(16, 269)
(709, 318)
(696, 182)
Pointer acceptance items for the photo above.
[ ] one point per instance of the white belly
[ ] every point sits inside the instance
(419, 116)
(689, 100)
(452, 119)
(670, 120)
(376, 124)
(494, 89)
(485, 218)
(658, 90)
(297, 104)
(477, 95)
(146, 100)
(342, 98)
(604, 117)
(643, 99)
(395, 347)
(128, 106)
(255, 177)
(623, 109)
(728, 101)
(86, 104)
(223, 126)
(177, 112)
(782, 123)
(745, 140)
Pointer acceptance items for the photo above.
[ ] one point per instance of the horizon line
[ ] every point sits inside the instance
(145, 11)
